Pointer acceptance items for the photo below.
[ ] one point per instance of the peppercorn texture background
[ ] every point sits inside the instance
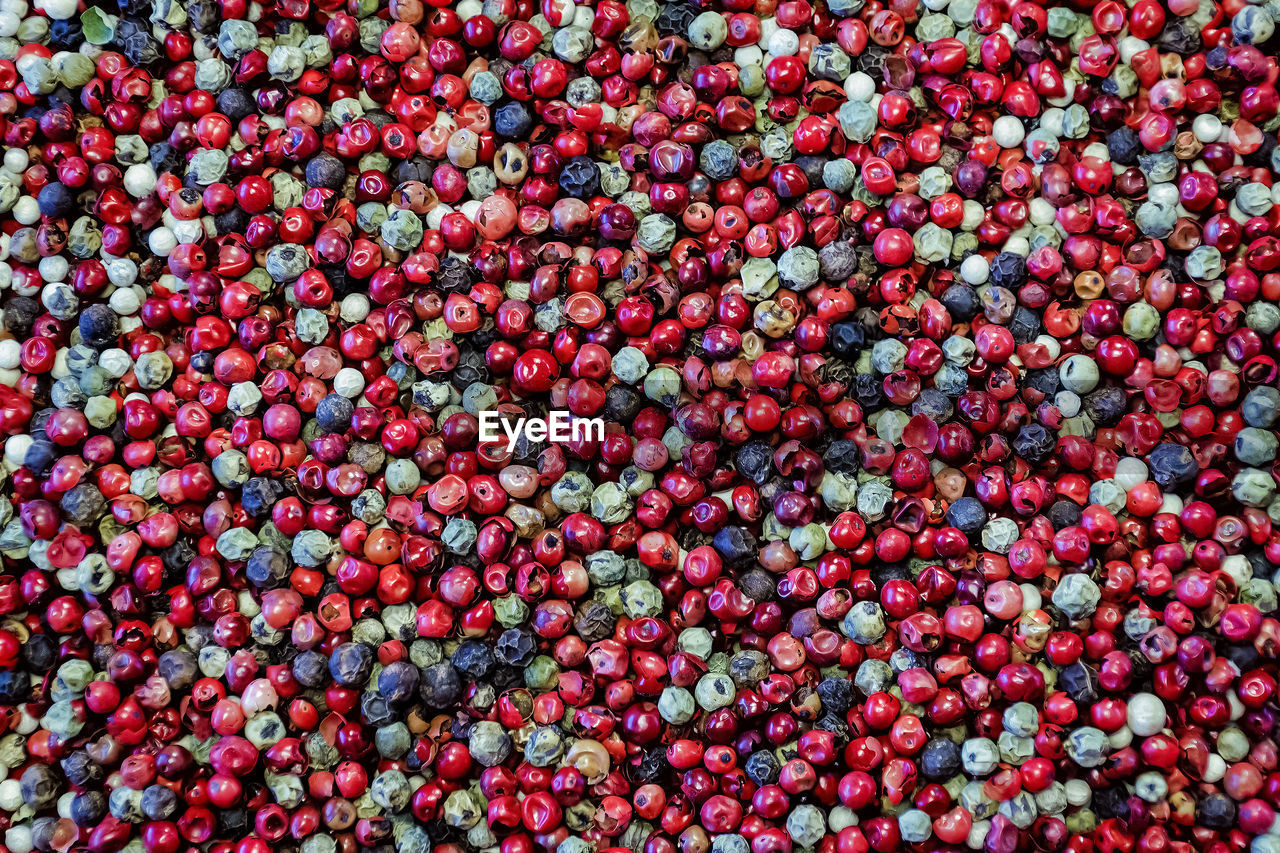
(937, 504)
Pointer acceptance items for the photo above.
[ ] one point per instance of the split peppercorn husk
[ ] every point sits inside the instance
(919, 360)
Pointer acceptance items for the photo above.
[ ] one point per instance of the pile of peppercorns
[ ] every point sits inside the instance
(935, 503)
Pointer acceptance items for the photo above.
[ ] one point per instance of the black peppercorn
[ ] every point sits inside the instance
(15, 687)
(967, 515)
(1080, 682)
(580, 178)
(267, 567)
(762, 767)
(311, 668)
(836, 695)
(259, 495)
(88, 809)
(1172, 466)
(516, 647)
(754, 460)
(848, 339)
(1064, 513)
(473, 659)
(940, 758)
(440, 685)
(1034, 443)
(326, 171)
(351, 664)
(736, 546)
(398, 681)
(236, 103)
(512, 120)
(99, 326)
(1106, 406)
